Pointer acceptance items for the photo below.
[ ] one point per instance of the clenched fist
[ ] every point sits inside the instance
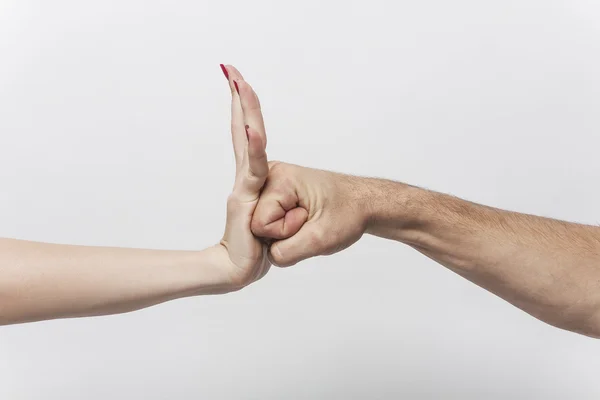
(309, 212)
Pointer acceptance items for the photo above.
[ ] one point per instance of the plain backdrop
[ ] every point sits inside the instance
(114, 120)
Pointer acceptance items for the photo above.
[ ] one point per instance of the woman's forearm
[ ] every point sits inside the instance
(45, 281)
(549, 268)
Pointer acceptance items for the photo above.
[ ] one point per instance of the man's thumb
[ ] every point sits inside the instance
(310, 241)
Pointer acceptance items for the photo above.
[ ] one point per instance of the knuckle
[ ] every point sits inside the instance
(250, 174)
(273, 163)
(317, 237)
(289, 197)
(233, 203)
(257, 226)
(284, 175)
(252, 181)
(275, 167)
(281, 186)
(232, 200)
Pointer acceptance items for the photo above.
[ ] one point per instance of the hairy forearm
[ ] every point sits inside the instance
(45, 281)
(548, 268)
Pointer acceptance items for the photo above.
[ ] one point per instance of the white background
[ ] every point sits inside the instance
(114, 122)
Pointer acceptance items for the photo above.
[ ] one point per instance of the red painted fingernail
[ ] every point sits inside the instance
(224, 71)
(237, 89)
(247, 134)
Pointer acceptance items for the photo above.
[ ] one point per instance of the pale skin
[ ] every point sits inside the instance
(40, 281)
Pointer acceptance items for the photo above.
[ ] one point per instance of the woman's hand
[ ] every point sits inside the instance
(246, 256)
(41, 281)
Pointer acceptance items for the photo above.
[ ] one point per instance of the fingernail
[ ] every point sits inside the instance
(224, 71)
(237, 89)
(247, 134)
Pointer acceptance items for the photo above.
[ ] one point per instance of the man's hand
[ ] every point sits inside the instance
(547, 268)
(309, 212)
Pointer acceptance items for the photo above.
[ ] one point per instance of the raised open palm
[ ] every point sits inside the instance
(247, 254)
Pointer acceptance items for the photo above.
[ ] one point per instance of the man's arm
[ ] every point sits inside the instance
(548, 268)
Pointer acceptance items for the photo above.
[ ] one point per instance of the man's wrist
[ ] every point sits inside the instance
(391, 207)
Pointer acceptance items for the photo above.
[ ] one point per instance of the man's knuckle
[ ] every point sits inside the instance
(257, 226)
(317, 237)
(276, 167)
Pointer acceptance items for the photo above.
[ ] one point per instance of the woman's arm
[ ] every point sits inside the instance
(40, 281)
(45, 281)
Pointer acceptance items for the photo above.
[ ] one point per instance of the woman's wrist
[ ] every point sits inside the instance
(212, 272)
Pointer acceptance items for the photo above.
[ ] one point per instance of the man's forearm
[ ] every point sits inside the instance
(548, 268)
(45, 281)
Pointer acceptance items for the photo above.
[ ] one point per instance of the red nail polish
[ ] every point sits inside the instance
(224, 71)
(247, 134)
(237, 89)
